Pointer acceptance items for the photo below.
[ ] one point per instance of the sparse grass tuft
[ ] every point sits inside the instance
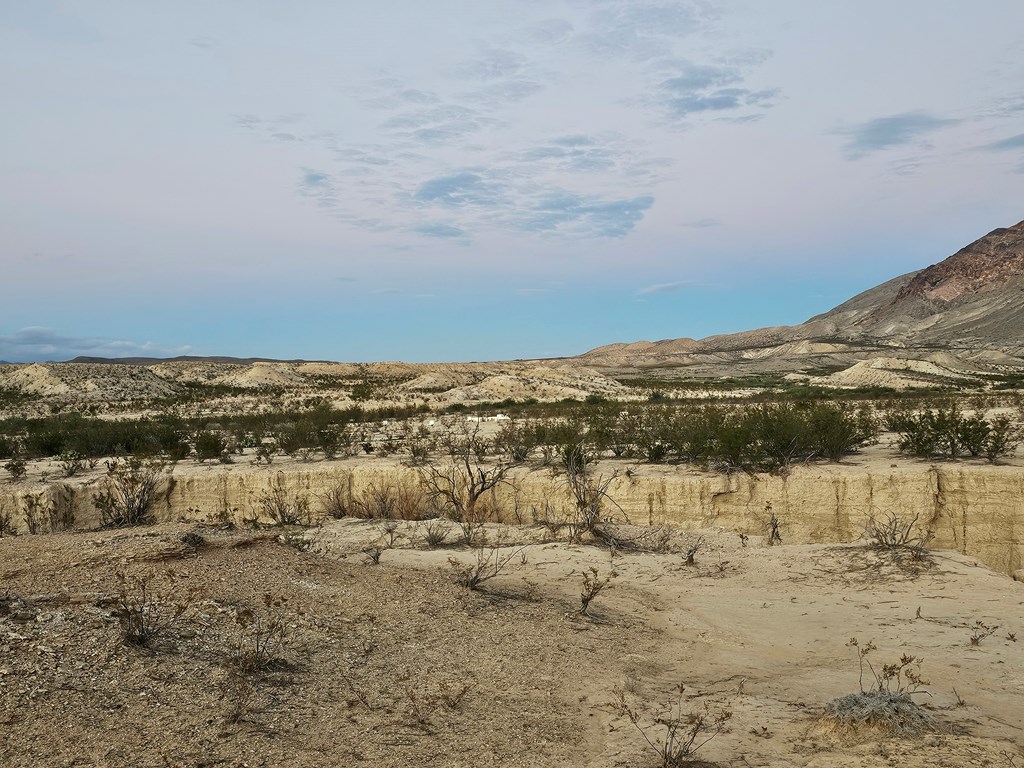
(886, 706)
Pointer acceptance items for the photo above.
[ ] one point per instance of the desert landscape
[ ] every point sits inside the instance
(788, 547)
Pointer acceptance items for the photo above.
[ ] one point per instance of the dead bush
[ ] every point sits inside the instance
(337, 501)
(590, 493)
(692, 548)
(593, 584)
(488, 562)
(892, 534)
(259, 638)
(671, 731)
(145, 614)
(282, 507)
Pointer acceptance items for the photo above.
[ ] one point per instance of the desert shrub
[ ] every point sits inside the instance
(16, 468)
(144, 614)
(50, 510)
(672, 732)
(458, 485)
(209, 444)
(129, 493)
(945, 432)
(692, 548)
(890, 531)
(70, 463)
(6, 520)
(885, 701)
(589, 493)
(388, 500)
(488, 562)
(516, 440)
(337, 501)
(592, 586)
(281, 507)
(1003, 437)
(435, 532)
(837, 431)
(9, 447)
(259, 637)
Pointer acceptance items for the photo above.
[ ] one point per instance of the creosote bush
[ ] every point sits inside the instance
(129, 493)
(946, 432)
(16, 469)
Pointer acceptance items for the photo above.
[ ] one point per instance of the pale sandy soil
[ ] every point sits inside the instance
(372, 651)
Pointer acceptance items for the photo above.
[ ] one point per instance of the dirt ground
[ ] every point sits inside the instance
(262, 654)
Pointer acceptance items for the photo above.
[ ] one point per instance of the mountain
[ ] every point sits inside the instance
(963, 316)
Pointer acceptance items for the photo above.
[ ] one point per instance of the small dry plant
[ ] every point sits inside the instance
(337, 501)
(488, 562)
(773, 524)
(892, 534)
(282, 507)
(435, 532)
(886, 705)
(981, 630)
(592, 586)
(260, 637)
(672, 732)
(692, 548)
(144, 614)
(422, 701)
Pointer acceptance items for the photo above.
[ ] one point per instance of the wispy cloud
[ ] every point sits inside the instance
(492, 64)
(203, 41)
(657, 288)
(881, 133)
(320, 186)
(531, 291)
(703, 223)
(643, 30)
(712, 88)
(460, 189)
(37, 343)
(1013, 142)
(437, 229)
(585, 215)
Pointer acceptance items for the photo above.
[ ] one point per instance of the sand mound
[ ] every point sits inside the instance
(87, 381)
(260, 375)
(894, 373)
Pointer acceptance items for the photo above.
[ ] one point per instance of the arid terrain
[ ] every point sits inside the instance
(395, 664)
(791, 547)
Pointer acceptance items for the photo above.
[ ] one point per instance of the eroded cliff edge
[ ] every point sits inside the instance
(975, 509)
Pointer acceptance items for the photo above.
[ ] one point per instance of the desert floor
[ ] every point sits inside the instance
(266, 655)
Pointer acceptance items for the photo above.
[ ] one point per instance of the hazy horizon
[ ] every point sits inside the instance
(450, 182)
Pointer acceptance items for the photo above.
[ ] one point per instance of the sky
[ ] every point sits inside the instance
(485, 179)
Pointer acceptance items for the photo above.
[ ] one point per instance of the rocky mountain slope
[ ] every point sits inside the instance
(962, 317)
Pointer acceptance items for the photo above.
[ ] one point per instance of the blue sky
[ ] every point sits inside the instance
(466, 180)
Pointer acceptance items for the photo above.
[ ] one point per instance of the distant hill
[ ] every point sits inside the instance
(182, 359)
(969, 306)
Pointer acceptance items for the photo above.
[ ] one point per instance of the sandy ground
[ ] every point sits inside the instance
(394, 664)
